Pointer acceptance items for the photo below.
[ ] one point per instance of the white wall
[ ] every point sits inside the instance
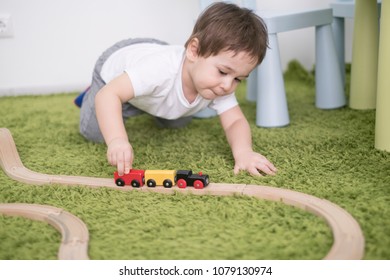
(56, 42)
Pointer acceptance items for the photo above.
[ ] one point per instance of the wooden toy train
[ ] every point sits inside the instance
(166, 178)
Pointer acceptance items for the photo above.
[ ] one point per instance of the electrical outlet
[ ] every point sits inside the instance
(6, 29)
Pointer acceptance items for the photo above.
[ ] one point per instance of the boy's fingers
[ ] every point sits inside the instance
(120, 166)
(112, 159)
(265, 169)
(236, 170)
(272, 167)
(255, 172)
(128, 162)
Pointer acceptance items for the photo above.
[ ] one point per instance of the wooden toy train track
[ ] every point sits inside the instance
(348, 239)
(75, 236)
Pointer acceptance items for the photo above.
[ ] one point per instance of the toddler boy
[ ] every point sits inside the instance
(173, 83)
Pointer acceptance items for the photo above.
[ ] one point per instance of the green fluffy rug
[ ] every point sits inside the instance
(326, 153)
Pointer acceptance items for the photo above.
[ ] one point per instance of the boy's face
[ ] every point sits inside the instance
(220, 74)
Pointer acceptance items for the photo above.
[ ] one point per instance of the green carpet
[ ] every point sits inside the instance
(326, 153)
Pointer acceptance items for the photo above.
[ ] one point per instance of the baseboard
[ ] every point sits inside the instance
(41, 90)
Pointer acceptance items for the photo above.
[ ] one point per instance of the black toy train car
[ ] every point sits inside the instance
(186, 178)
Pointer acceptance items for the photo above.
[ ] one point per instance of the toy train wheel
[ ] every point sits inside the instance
(151, 183)
(119, 182)
(198, 184)
(135, 183)
(167, 183)
(181, 183)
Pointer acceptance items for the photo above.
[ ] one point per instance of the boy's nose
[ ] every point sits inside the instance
(227, 85)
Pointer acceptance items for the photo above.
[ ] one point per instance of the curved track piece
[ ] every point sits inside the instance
(14, 168)
(75, 236)
(347, 234)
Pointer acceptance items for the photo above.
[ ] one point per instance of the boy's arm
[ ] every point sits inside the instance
(239, 137)
(108, 103)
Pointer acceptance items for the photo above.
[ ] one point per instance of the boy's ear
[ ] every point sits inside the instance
(192, 49)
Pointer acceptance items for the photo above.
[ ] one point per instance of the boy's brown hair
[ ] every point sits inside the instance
(227, 27)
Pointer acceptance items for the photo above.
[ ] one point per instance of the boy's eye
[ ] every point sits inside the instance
(224, 73)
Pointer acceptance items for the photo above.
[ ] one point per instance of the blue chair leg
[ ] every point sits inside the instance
(338, 28)
(251, 86)
(206, 113)
(271, 108)
(329, 86)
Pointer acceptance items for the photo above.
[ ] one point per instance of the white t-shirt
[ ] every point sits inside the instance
(155, 73)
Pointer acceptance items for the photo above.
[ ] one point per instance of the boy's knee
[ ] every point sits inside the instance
(95, 137)
(178, 123)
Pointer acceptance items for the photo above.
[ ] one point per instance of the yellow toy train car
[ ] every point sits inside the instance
(165, 178)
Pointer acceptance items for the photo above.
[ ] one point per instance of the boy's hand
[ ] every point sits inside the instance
(120, 154)
(253, 163)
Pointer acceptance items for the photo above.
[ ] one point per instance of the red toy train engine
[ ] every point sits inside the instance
(135, 178)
